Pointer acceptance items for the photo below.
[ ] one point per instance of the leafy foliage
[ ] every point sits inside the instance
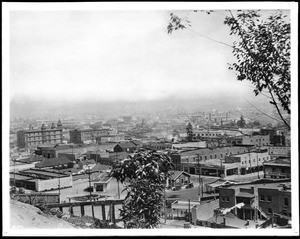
(263, 53)
(241, 123)
(189, 131)
(143, 174)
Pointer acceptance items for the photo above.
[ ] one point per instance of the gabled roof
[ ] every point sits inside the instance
(177, 174)
(53, 162)
(126, 145)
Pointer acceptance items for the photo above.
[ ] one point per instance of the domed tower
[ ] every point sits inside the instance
(59, 124)
(43, 127)
(53, 125)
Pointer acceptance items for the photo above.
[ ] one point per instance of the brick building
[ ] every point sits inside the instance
(88, 135)
(260, 200)
(34, 137)
(275, 199)
(278, 168)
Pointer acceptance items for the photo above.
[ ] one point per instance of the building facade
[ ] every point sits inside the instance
(34, 137)
(88, 135)
(278, 168)
(275, 200)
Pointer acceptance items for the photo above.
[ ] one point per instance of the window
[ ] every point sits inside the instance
(221, 155)
(286, 202)
(205, 157)
(258, 159)
(274, 170)
(242, 162)
(223, 199)
(215, 156)
(253, 160)
(269, 198)
(269, 210)
(210, 156)
(262, 197)
(227, 199)
(249, 161)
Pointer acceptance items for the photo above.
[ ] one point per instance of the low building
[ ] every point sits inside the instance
(41, 180)
(83, 136)
(279, 151)
(111, 138)
(55, 162)
(278, 168)
(182, 209)
(178, 179)
(203, 154)
(76, 149)
(255, 206)
(256, 140)
(275, 199)
(128, 147)
(212, 167)
(101, 183)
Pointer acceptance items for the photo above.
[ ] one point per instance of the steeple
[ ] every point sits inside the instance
(53, 125)
(59, 124)
(43, 127)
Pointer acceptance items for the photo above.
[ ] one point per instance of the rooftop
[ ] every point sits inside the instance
(61, 160)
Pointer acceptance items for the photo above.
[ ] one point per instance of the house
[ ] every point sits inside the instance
(55, 162)
(178, 179)
(180, 209)
(101, 183)
(278, 168)
(125, 146)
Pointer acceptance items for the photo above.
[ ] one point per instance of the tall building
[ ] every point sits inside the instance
(83, 136)
(34, 137)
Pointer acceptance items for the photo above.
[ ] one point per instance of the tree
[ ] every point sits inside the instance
(189, 131)
(241, 123)
(143, 175)
(262, 52)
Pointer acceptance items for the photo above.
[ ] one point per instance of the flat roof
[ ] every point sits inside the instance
(43, 173)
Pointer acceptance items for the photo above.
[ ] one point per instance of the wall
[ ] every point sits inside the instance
(42, 185)
(229, 200)
(277, 200)
(279, 151)
(277, 171)
(257, 140)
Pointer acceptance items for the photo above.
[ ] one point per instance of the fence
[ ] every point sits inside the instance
(38, 198)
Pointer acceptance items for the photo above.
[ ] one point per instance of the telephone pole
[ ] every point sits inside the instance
(91, 194)
(199, 193)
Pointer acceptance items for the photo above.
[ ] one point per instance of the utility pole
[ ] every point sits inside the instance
(189, 210)
(199, 193)
(59, 180)
(257, 160)
(91, 194)
(14, 173)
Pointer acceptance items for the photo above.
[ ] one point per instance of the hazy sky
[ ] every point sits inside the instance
(117, 55)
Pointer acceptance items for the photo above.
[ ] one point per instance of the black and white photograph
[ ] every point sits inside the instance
(175, 118)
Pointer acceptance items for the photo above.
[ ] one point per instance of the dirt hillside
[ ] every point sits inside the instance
(27, 216)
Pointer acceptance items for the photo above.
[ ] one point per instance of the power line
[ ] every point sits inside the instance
(262, 111)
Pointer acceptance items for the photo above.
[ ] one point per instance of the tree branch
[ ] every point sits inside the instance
(275, 103)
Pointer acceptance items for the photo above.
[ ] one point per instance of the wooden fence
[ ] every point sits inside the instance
(104, 204)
